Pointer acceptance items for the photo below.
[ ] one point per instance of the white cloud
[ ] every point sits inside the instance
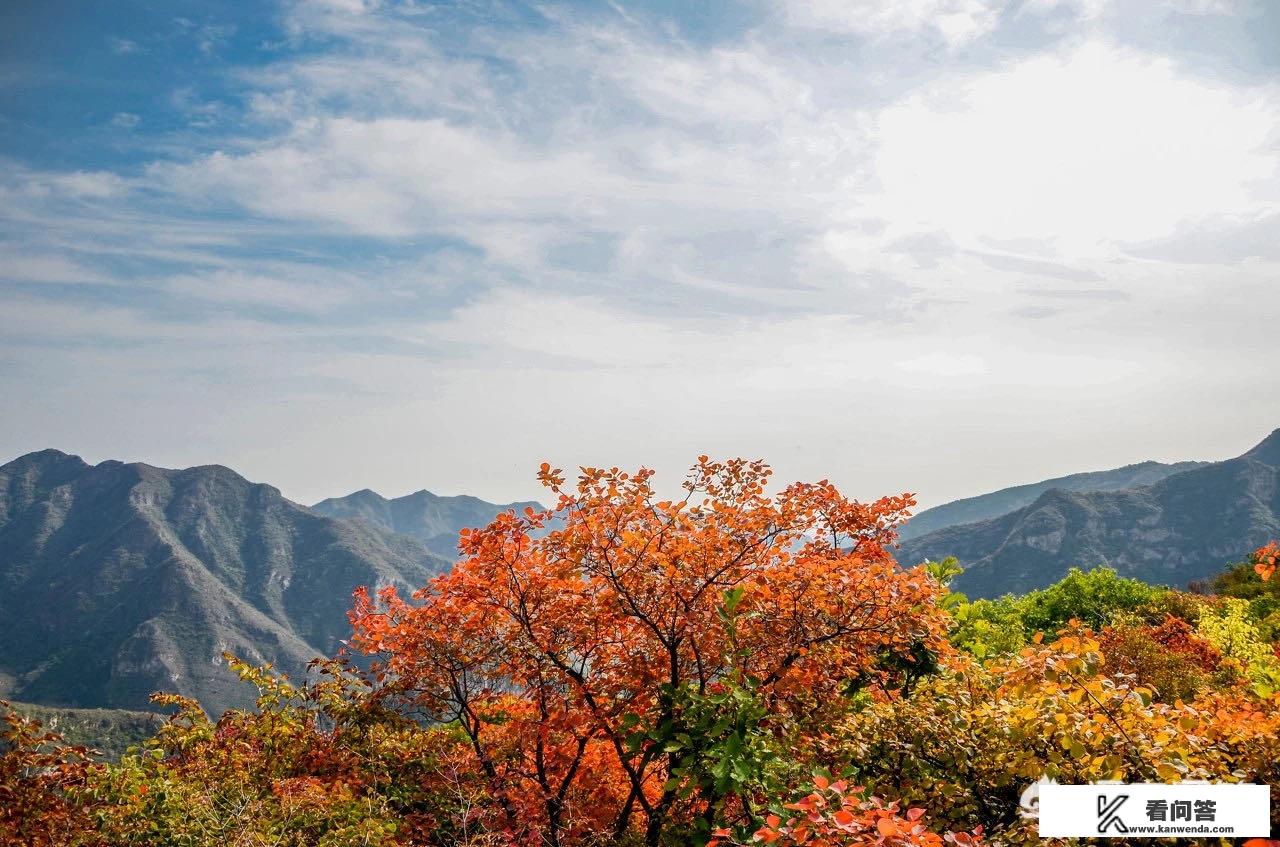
(247, 289)
(1092, 10)
(724, 86)
(21, 265)
(1086, 147)
(394, 177)
(122, 46)
(73, 185)
(1206, 7)
(957, 22)
(945, 364)
(1080, 9)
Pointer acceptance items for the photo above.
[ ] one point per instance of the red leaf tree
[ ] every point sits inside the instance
(562, 655)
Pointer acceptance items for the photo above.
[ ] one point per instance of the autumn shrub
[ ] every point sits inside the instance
(838, 815)
(1092, 597)
(970, 741)
(1234, 633)
(946, 748)
(1250, 581)
(318, 764)
(1170, 659)
(981, 628)
(1171, 603)
(41, 780)
(989, 628)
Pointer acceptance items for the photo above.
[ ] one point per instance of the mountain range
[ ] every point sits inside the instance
(430, 518)
(984, 506)
(117, 580)
(1184, 527)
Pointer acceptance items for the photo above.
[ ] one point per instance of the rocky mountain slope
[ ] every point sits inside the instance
(996, 503)
(432, 519)
(117, 580)
(1185, 527)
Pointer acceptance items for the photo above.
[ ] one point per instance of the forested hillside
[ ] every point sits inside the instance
(1175, 531)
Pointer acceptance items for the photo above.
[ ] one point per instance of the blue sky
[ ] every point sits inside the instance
(934, 245)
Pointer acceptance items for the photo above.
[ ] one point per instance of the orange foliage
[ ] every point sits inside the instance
(835, 815)
(1265, 560)
(37, 776)
(1178, 636)
(563, 657)
(1170, 658)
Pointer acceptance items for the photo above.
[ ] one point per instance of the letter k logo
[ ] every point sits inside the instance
(1108, 813)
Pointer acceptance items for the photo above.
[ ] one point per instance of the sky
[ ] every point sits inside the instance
(938, 246)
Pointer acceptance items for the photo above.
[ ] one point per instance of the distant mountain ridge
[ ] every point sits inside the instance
(432, 519)
(986, 506)
(1185, 527)
(117, 580)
